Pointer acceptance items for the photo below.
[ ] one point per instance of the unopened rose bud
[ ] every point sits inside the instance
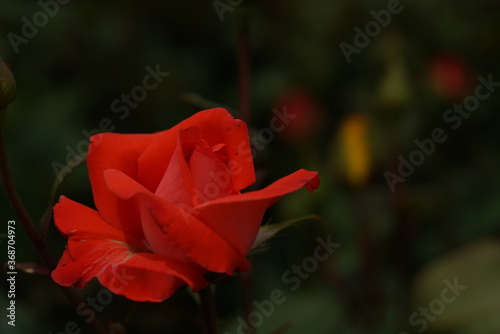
(8, 88)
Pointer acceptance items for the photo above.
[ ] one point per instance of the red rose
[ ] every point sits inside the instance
(169, 208)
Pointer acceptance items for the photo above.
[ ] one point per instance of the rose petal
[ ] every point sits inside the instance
(238, 217)
(198, 241)
(126, 189)
(139, 277)
(72, 218)
(85, 259)
(96, 248)
(86, 252)
(209, 175)
(216, 126)
(177, 186)
(183, 230)
(150, 277)
(118, 151)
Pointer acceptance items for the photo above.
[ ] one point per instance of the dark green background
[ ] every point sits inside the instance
(396, 249)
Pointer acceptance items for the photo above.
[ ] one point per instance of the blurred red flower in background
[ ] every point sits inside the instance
(449, 75)
(305, 115)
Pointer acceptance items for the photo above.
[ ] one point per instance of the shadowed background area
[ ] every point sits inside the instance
(394, 103)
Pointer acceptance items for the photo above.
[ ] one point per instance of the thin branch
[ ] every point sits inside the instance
(247, 294)
(61, 177)
(33, 234)
(244, 72)
(208, 308)
(19, 209)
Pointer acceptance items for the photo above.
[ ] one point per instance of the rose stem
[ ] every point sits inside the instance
(244, 71)
(208, 308)
(18, 207)
(246, 290)
(31, 231)
(244, 96)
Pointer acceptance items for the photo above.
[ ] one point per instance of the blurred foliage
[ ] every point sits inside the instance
(353, 122)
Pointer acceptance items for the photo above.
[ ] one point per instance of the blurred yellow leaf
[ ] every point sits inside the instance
(394, 88)
(354, 148)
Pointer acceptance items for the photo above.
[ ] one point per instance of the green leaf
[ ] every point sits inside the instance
(266, 232)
